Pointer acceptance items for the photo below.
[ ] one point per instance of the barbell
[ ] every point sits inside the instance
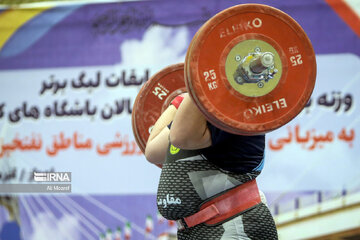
(250, 69)
(153, 98)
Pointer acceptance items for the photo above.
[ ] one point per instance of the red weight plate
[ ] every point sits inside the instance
(153, 98)
(250, 69)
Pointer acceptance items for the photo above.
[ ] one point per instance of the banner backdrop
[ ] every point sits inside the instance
(69, 77)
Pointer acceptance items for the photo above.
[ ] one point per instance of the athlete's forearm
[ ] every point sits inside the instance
(158, 142)
(189, 128)
(164, 120)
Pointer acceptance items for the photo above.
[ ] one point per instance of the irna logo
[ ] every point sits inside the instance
(52, 176)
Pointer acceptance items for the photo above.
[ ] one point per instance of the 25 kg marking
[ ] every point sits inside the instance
(160, 93)
(210, 78)
(296, 60)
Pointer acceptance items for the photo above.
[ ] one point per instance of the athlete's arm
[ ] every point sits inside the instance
(189, 128)
(158, 142)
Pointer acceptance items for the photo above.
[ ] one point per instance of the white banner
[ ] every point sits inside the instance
(320, 149)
